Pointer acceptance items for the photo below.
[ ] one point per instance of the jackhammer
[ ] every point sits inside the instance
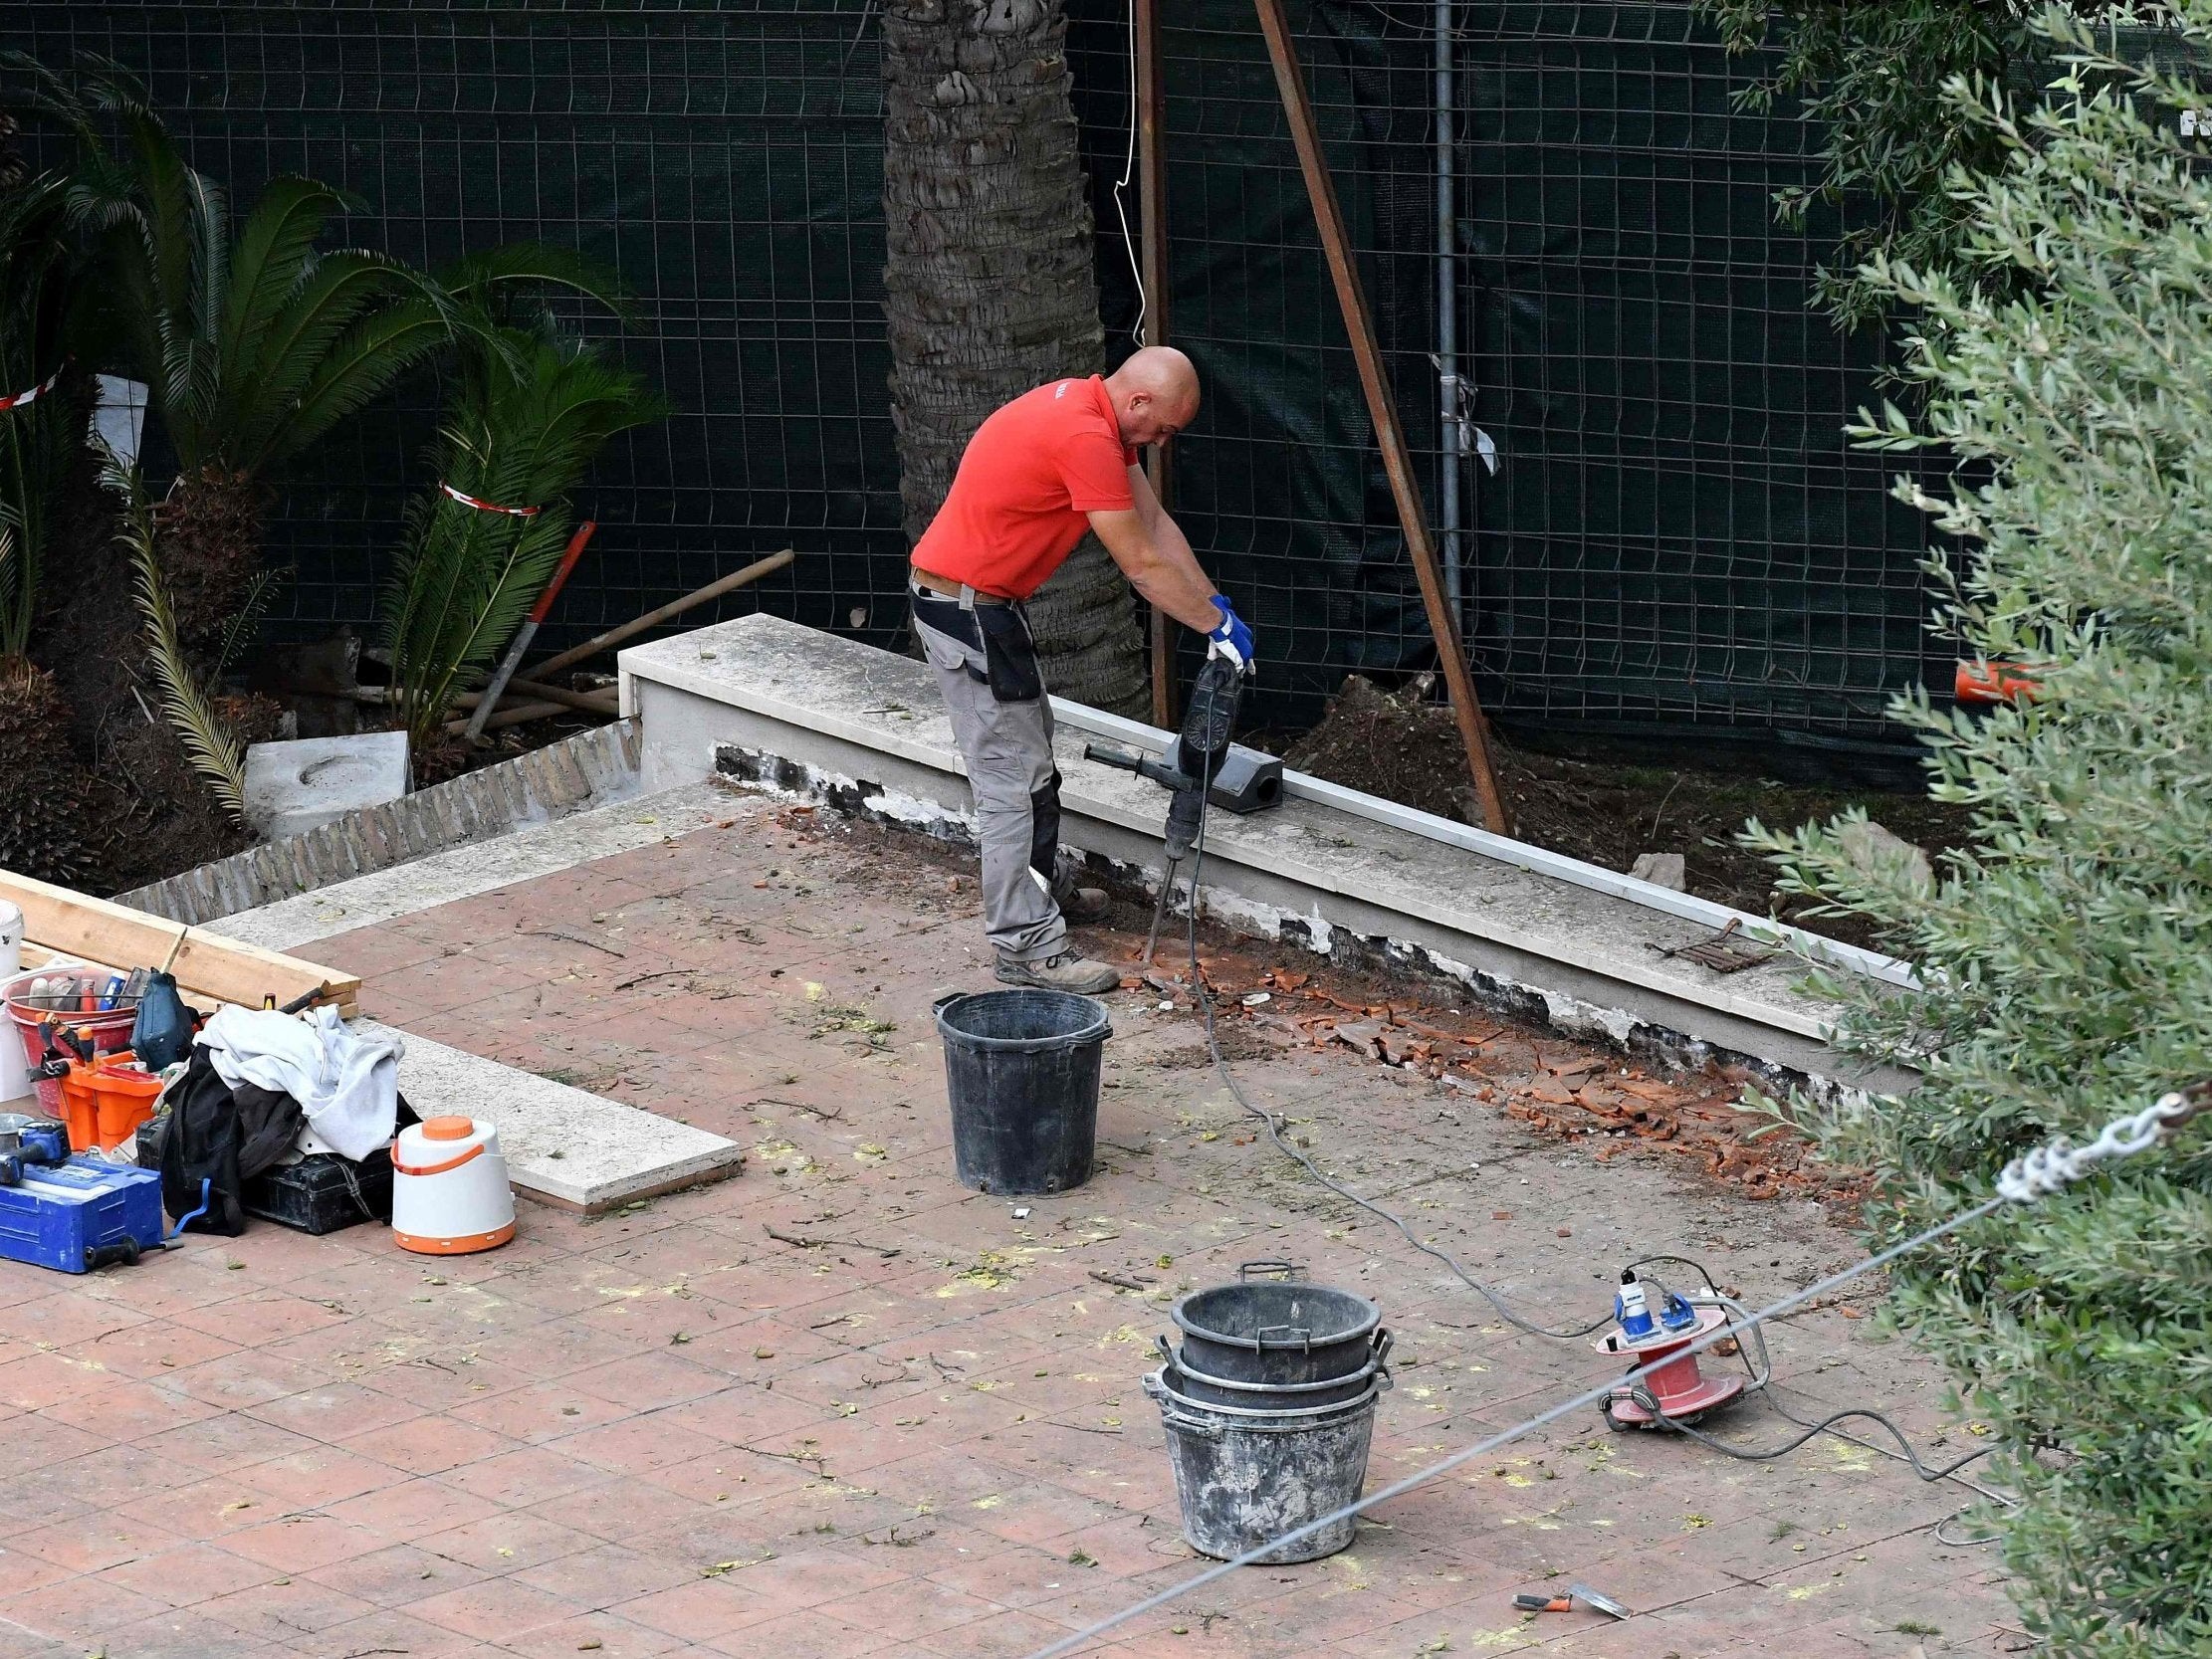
(1201, 765)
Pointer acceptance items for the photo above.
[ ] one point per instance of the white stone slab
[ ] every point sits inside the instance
(820, 683)
(478, 866)
(561, 1144)
(293, 787)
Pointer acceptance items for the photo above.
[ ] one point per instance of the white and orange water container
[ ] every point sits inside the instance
(449, 1191)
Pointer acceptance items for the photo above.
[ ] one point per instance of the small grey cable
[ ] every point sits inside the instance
(1963, 1543)
(1121, 212)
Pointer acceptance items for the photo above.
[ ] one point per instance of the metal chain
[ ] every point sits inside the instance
(2050, 1169)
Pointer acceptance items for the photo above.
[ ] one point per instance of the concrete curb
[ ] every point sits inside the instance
(592, 768)
(775, 703)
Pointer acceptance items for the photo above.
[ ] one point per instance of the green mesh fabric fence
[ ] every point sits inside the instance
(724, 160)
(1676, 535)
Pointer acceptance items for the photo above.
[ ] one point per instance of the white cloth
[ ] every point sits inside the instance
(346, 1082)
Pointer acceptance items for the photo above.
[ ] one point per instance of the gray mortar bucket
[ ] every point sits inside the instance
(1275, 1331)
(1202, 1390)
(1244, 1478)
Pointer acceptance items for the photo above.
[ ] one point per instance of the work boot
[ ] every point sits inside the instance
(1065, 972)
(1086, 904)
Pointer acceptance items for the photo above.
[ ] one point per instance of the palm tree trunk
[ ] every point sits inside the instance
(988, 289)
(210, 531)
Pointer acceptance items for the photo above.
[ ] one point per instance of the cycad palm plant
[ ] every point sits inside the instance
(254, 346)
(528, 412)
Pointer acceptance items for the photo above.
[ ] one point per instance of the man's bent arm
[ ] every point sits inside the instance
(1156, 557)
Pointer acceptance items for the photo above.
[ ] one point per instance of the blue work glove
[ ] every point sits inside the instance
(1231, 639)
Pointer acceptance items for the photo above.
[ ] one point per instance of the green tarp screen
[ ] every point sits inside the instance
(1676, 537)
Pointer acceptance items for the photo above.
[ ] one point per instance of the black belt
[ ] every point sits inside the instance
(952, 590)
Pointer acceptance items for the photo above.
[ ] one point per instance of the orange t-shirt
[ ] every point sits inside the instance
(1030, 475)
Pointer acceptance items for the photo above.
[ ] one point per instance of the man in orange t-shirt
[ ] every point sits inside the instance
(1041, 471)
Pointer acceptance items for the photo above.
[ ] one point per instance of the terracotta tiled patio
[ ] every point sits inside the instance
(839, 1406)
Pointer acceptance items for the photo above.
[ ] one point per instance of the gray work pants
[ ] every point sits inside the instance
(1007, 747)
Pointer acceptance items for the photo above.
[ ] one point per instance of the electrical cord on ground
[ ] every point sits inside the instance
(1774, 1399)
(1543, 1420)
(1767, 1454)
(1981, 1543)
(1290, 1148)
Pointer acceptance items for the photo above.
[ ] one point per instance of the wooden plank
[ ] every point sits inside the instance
(207, 966)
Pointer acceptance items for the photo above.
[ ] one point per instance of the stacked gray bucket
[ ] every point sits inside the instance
(1269, 1406)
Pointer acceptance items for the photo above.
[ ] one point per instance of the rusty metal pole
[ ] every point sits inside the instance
(1152, 213)
(1382, 407)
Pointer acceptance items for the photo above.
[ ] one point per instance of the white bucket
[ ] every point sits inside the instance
(449, 1191)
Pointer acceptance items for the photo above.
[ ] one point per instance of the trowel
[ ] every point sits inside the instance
(1596, 1600)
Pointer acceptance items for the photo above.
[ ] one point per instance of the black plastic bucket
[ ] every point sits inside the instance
(1021, 1071)
(1276, 1330)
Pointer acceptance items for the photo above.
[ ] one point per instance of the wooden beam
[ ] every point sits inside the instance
(1152, 214)
(584, 703)
(207, 966)
(653, 618)
(511, 714)
(1382, 408)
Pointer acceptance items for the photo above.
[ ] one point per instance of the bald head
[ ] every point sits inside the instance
(1155, 393)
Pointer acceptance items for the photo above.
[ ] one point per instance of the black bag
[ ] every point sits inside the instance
(1010, 653)
(999, 630)
(215, 1139)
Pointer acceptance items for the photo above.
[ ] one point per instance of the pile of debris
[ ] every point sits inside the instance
(1515, 1070)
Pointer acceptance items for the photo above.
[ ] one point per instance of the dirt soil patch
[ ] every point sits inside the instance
(1557, 1085)
(1405, 748)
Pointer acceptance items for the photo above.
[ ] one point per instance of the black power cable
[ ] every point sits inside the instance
(1750, 1454)
(1274, 1130)
(1642, 1395)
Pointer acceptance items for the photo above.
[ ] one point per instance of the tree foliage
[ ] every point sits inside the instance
(1873, 78)
(215, 750)
(37, 437)
(528, 412)
(252, 344)
(2066, 958)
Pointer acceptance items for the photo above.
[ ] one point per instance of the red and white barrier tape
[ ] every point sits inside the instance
(21, 400)
(489, 506)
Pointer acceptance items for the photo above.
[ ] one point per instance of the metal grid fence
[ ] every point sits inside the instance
(1676, 535)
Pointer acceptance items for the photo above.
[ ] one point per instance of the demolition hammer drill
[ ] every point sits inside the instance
(1200, 764)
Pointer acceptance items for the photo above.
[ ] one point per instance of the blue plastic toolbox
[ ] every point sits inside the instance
(80, 1215)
